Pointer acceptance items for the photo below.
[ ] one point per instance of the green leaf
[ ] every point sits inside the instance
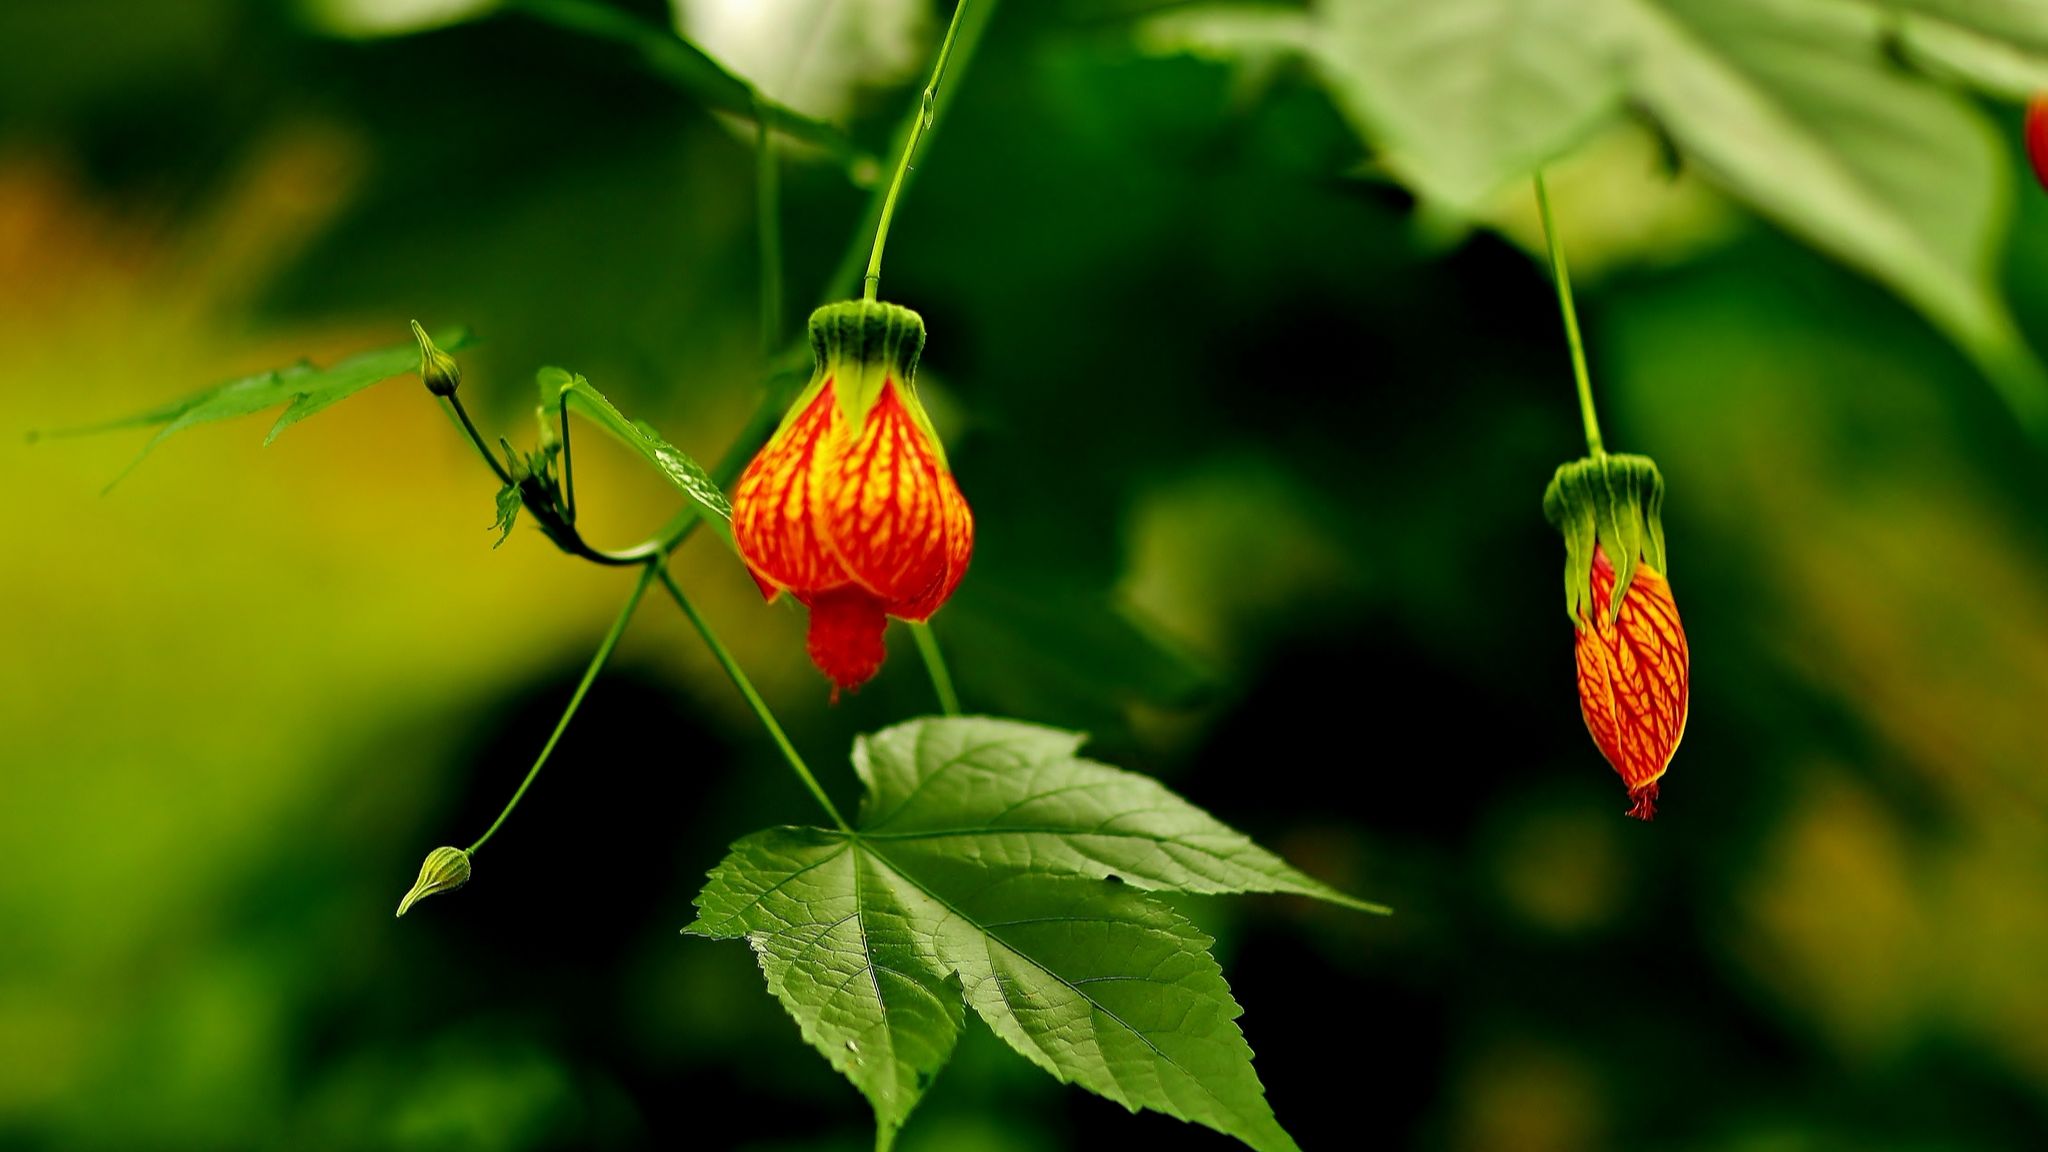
(1014, 792)
(693, 70)
(1464, 96)
(2019, 23)
(508, 512)
(685, 473)
(1965, 56)
(304, 388)
(991, 864)
(1797, 107)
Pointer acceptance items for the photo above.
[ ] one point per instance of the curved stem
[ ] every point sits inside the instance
(597, 662)
(872, 284)
(746, 687)
(1563, 279)
(935, 664)
(477, 438)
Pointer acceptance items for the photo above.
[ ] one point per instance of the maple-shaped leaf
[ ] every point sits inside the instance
(992, 868)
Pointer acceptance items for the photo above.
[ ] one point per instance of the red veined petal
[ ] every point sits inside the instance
(1634, 679)
(959, 534)
(881, 505)
(774, 513)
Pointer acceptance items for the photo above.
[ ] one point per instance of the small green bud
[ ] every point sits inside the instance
(445, 870)
(1613, 503)
(437, 368)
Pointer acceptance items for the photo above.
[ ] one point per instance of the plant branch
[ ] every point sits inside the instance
(568, 462)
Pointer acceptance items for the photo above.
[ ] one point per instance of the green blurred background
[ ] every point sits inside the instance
(1256, 455)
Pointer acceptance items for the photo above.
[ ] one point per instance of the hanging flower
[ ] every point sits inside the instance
(850, 507)
(1634, 667)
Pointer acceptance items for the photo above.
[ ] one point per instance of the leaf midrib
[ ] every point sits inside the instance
(1093, 1003)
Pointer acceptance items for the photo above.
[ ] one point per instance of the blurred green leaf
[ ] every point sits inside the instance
(689, 477)
(1797, 108)
(305, 388)
(1464, 97)
(2020, 23)
(693, 70)
(1965, 56)
(990, 862)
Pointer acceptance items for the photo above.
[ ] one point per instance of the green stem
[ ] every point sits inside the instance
(760, 706)
(568, 464)
(873, 282)
(1563, 278)
(847, 272)
(597, 662)
(935, 663)
(477, 438)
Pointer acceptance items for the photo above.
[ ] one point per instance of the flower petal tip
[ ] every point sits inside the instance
(846, 637)
(1645, 806)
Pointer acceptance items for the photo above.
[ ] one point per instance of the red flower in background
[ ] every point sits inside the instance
(851, 507)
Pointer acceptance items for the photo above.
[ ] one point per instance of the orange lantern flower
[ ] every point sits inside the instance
(1634, 669)
(850, 507)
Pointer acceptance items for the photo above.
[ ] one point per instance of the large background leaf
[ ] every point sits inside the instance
(1797, 107)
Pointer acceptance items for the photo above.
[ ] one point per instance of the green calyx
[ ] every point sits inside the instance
(1614, 503)
(860, 345)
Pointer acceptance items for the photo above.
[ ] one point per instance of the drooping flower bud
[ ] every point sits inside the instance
(445, 870)
(437, 368)
(851, 507)
(1634, 667)
(2037, 136)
